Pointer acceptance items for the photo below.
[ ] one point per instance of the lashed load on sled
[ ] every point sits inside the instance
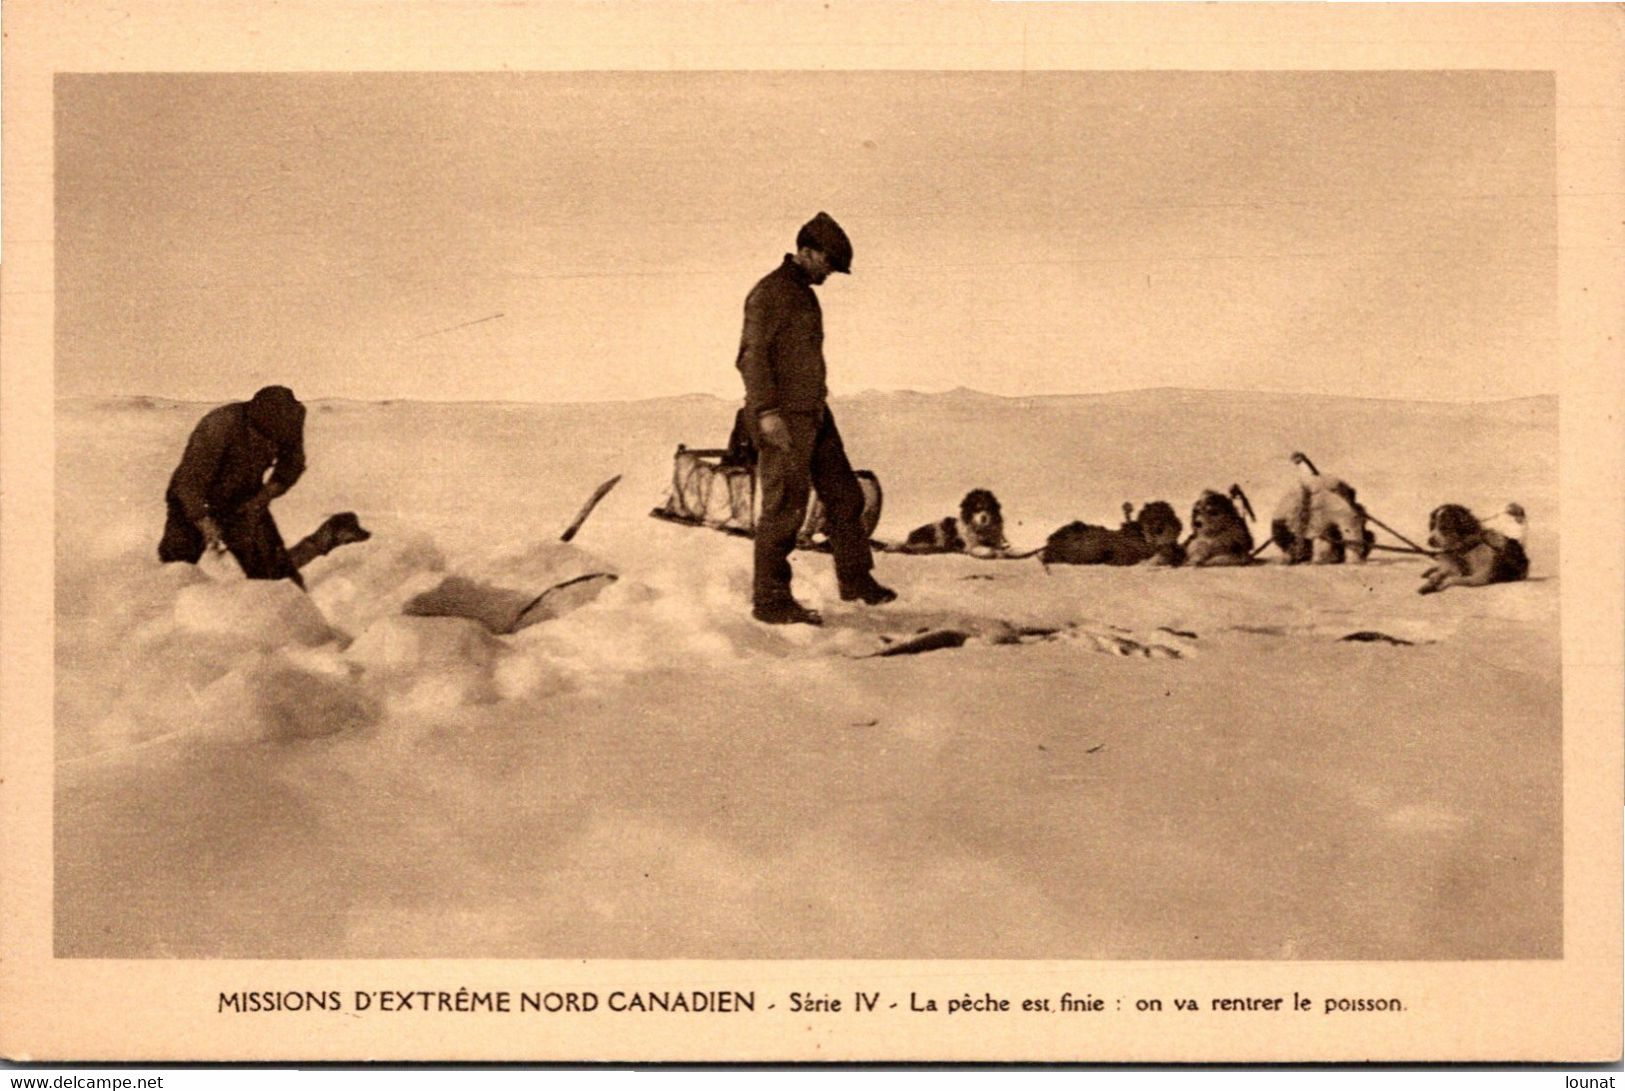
(710, 488)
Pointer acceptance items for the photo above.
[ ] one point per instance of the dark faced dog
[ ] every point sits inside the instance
(1468, 554)
(1151, 538)
(939, 537)
(336, 530)
(1220, 535)
(979, 530)
(981, 521)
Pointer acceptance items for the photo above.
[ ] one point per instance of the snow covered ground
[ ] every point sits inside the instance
(1197, 766)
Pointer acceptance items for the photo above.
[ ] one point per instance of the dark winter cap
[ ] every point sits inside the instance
(276, 414)
(823, 233)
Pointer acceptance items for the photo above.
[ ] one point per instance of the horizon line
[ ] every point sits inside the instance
(868, 392)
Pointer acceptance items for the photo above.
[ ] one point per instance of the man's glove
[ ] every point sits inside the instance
(775, 433)
(211, 535)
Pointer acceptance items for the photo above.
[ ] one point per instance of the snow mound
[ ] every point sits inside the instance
(429, 663)
(681, 612)
(265, 613)
(240, 660)
(495, 587)
(534, 565)
(284, 696)
(110, 603)
(361, 583)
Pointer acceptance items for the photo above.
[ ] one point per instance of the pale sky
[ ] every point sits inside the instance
(1374, 234)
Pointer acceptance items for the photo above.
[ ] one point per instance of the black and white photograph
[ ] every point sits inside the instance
(1096, 515)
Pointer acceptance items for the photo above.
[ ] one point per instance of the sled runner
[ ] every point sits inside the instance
(935, 551)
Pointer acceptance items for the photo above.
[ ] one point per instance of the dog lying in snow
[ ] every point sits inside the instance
(336, 530)
(1219, 535)
(979, 530)
(1152, 537)
(1509, 522)
(1468, 553)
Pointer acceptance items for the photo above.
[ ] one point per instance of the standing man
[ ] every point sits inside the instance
(781, 356)
(219, 498)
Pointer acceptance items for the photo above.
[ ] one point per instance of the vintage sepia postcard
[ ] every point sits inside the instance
(857, 532)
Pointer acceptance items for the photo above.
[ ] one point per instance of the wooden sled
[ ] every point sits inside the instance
(709, 489)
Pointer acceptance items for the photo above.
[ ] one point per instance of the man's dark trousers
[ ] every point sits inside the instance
(816, 460)
(250, 535)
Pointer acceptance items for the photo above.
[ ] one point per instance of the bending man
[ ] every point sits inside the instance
(219, 497)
